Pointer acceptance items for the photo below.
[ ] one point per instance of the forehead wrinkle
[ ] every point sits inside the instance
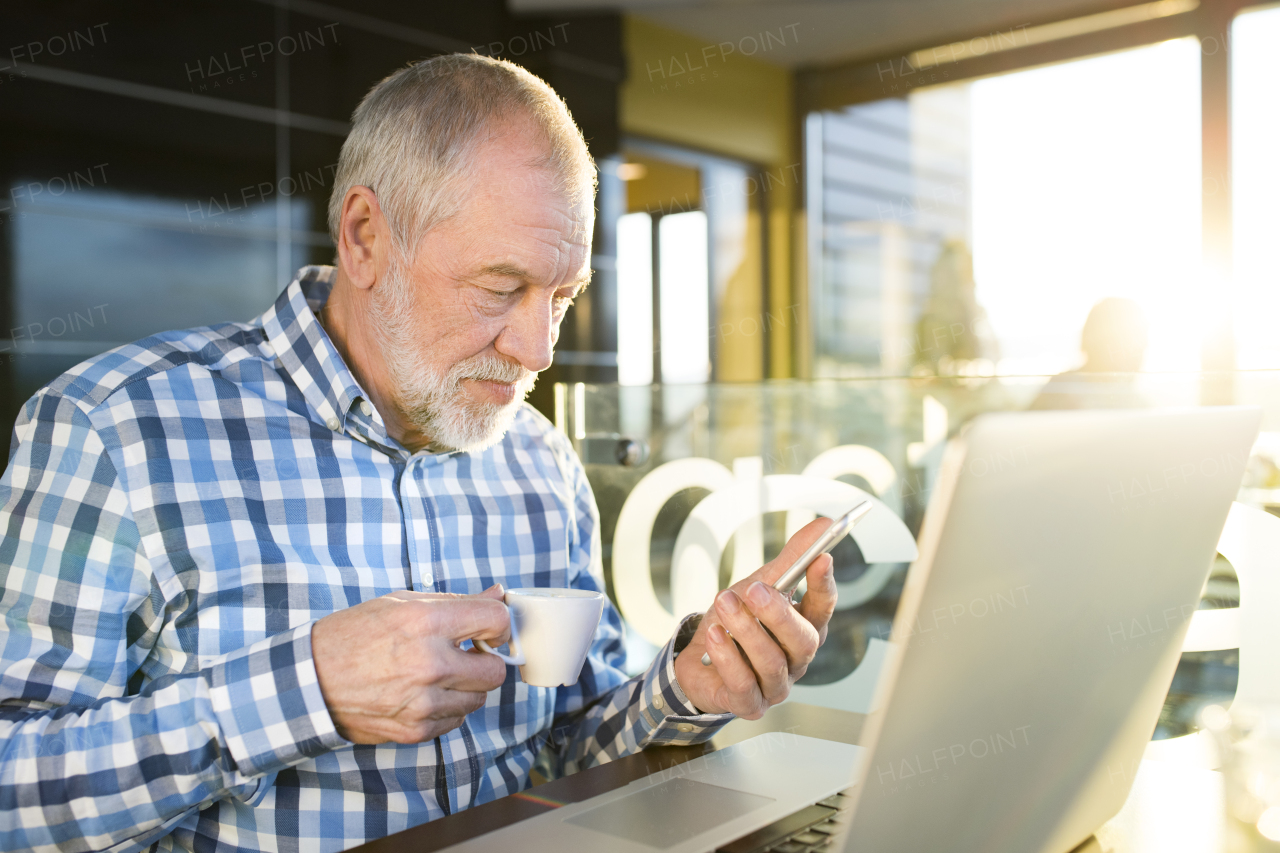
(551, 224)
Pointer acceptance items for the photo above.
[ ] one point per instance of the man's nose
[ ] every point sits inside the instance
(530, 333)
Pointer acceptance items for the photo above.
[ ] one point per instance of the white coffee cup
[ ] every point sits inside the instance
(551, 633)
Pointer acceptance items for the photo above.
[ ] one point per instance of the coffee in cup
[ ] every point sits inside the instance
(551, 633)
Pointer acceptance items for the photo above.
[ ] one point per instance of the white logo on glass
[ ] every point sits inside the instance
(736, 506)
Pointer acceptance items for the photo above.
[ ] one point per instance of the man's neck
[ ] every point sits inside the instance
(346, 318)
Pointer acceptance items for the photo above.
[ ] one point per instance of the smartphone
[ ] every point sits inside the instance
(830, 537)
(828, 540)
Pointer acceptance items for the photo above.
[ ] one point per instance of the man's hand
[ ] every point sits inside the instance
(390, 669)
(749, 682)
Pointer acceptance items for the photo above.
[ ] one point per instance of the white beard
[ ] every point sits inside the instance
(432, 396)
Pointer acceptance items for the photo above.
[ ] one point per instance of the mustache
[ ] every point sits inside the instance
(492, 369)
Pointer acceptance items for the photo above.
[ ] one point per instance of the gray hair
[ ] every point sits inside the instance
(413, 139)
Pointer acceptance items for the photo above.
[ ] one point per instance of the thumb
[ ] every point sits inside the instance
(496, 592)
(796, 545)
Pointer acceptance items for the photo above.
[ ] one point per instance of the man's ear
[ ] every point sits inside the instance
(363, 237)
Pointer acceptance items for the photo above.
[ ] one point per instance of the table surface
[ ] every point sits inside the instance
(1171, 807)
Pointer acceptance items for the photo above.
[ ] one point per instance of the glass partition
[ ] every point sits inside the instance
(884, 436)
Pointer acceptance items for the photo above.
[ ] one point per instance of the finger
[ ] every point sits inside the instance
(496, 591)
(433, 729)
(465, 618)
(798, 638)
(796, 545)
(766, 658)
(473, 670)
(700, 635)
(738, 693)
(445, 704)
(819, 601)
(414, 595)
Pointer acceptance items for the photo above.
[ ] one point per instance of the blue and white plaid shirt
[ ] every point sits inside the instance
(177, 513)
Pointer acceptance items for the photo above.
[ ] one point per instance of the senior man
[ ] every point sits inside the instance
(241, 563)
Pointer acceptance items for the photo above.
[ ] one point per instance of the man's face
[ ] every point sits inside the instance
(466, 326)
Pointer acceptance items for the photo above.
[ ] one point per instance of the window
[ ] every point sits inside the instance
(690, 254)
(970, 227)
(1255, 186)
(99, 267)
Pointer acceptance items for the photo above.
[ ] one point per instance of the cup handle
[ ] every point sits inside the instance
(517, 657)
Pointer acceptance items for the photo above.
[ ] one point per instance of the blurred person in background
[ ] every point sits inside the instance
(1114, 342)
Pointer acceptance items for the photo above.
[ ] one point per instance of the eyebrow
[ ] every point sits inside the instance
(512, 271)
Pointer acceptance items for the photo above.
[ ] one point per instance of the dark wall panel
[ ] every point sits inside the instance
(143, 176)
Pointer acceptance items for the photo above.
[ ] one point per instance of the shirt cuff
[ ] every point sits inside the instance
(269, 706)
(673, 718)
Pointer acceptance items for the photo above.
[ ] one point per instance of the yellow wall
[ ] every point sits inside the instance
(690, 92)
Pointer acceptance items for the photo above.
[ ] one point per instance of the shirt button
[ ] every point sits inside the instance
(332, 424)
(685, 727)
(366, 408)
(658, 703)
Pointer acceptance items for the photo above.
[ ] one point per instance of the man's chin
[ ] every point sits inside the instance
(469, 418)
(468, 436)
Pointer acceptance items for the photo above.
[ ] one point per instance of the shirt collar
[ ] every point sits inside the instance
(305, 351)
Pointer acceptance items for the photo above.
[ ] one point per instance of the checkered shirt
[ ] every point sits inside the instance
(177, 514)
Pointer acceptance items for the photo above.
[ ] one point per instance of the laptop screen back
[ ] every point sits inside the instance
(1062, 555)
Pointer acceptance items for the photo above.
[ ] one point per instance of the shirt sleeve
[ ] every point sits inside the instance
(93, 753)
(605, 715)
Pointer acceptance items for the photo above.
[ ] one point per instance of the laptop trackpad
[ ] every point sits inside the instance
(666, 814)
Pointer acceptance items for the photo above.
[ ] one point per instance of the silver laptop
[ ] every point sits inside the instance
(1061, 556)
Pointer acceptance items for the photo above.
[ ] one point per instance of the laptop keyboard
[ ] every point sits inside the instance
(809, 829)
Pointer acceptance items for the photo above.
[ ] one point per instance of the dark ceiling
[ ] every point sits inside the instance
(822, 32)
